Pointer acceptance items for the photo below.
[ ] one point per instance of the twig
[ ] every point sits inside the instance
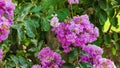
(110, 23)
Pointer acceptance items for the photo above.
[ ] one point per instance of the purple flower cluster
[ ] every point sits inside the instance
(1, 54)
(6, 18)
(94, 57)
(104, 63)
(36, 66)
(50, 59)
(73, 1)
(78, 32)
(92, 51)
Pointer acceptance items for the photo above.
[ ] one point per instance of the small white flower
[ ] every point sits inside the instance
(77, 67)
(54, 21)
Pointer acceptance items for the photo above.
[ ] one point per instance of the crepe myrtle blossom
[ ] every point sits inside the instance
(104, 63)
(73, 1)
(77, 32)
(6, 18)
(98, 62)
(50, 59)
(1, 54)
(92, 52)
(94, 57)
(7, 9)
(84, 58)
(36, 66)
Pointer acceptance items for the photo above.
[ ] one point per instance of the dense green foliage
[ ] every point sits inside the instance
(31, 29)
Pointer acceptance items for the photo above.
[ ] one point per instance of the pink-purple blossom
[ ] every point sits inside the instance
(104, 63)
(93, 52)
(94, 56)
(48, 58)
(6, 18)
(36, 66)
(84, 58)
(78, 32)
(73, 1)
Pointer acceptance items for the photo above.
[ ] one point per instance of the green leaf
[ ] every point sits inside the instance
(89, 66)
(32, 49)
(34, 42)
(96, 7)
(14, 59)
(109, 9)
(35, 21)
(22, 60)
(107, 39)
(23, 11)
(68, 65)
(30, 29)
(106, 5)
(111, 13)
(40, 45)
(45, 25)
(117, 46)
(9, 64)
(102, 4)
(82, 65)
(63, 13)
(113, 51)
(24, 66)
(20, 33)
(103, 16)
(36, 9)
(115, 36)
(71, 56)
(85, 65)
(114, 21)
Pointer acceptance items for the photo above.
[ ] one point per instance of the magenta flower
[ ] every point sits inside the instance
(6, 18)
(93, 50)
(78, 32)
(95, 57)
(71, 37)
(84, 59)
(48, 58)
(104, 63)
(94, 53)
(36, 66)
(84, 19)
(73, 1)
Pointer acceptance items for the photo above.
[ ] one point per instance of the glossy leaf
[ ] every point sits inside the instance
(114, 21)
(114, 51)
(107, 39)
(30, 29)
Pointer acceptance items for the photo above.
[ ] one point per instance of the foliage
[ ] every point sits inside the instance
(31, 29)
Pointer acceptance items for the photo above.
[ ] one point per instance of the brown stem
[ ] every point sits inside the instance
(109, 28)
(103, 41)
(110, 23)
